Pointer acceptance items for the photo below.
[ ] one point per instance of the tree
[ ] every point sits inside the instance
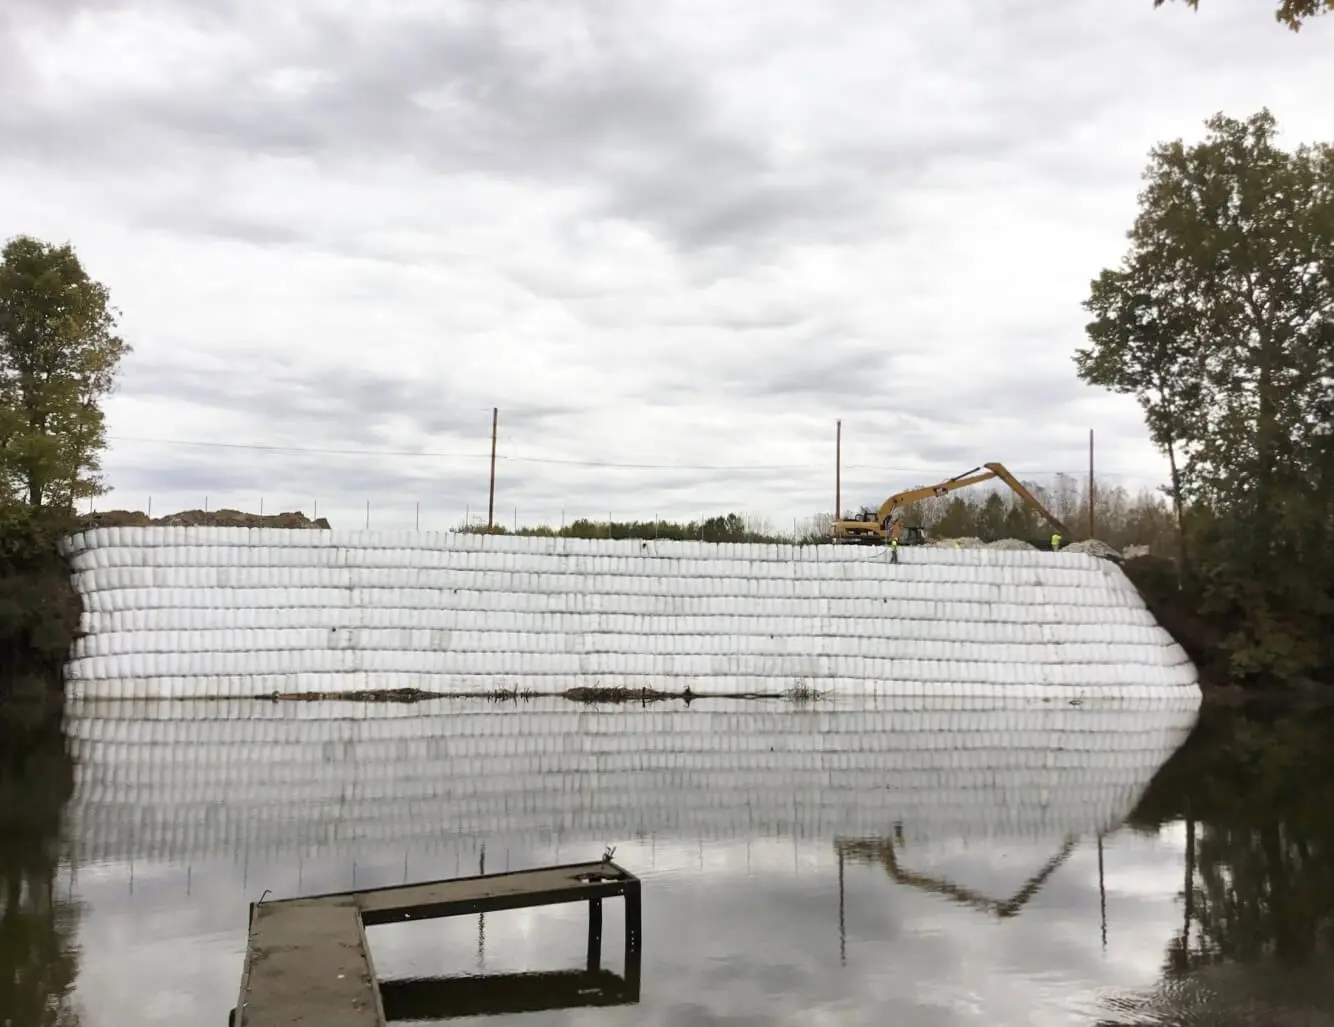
(59, 355)
(991, 519)
(1220, 321)
(1292, 13)
(1142, 345)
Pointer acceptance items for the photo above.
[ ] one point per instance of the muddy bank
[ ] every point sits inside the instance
(1178, 610)
(39, 608)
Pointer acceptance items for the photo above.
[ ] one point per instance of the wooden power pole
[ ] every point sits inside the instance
(491, 495)
(1092, 491)
(838, 471)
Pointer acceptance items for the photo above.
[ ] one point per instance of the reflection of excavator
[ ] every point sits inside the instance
(882, 851)
(877, 527)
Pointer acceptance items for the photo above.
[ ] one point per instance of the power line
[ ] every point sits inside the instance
(561, 461)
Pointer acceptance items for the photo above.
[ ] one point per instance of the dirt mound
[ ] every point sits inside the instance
(1094, 547)
(202, 518)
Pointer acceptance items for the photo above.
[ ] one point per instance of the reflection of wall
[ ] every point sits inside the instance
(187, 779)
(228, 612)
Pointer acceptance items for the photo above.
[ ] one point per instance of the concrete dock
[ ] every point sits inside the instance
(308, 961)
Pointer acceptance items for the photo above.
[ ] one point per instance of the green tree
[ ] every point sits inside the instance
(59, 355)
(1221, 321)
(991, 518)
(1292, 13)
(1021, 521)
(1144, 343)
(959, 520)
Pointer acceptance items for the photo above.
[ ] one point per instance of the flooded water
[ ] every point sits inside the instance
(861, 864)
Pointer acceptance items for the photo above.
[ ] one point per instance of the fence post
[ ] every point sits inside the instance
(419, 515)
(150, 508)
(368, 513)
(261, 506)
(206, 504)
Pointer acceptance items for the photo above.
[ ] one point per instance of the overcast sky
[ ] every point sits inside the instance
(673, 242)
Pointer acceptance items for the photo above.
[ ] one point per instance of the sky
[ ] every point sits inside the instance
(672, 243)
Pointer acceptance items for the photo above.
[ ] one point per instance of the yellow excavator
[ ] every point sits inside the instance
(879, 527)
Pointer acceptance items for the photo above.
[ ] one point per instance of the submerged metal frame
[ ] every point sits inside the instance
(274, 974)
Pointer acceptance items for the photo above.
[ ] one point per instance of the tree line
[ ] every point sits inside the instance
(1119, 519)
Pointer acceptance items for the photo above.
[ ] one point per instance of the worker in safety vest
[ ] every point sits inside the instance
(1055, 542)
(894, 550)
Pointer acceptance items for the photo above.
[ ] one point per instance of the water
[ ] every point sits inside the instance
(866, 864)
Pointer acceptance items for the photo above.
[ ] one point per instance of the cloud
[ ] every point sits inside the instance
(666, 241)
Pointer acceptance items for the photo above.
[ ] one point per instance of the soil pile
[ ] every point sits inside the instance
(1092, 546)
(202, 518)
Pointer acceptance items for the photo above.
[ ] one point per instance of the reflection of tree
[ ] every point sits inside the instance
(37, 958)
(1255, 791)
(1266, 892)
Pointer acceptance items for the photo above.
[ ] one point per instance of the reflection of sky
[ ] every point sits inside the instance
(733, 932)
(741, 928)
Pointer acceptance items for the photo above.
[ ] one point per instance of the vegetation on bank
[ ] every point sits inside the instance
(59, 355)
(1220, 321)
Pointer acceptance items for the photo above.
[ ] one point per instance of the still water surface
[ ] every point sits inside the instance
(865, 864)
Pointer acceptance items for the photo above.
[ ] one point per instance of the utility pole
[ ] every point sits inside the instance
(1092, 493)
(491, 495)
(838, 470)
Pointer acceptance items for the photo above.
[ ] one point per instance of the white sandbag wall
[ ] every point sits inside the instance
(178, 612)
(177, 780)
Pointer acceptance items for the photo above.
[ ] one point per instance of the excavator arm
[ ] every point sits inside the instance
(1000, 472)
(879, 528)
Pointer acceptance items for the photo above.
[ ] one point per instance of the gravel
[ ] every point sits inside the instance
(1092, 546)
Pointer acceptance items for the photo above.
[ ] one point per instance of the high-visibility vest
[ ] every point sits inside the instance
(1055, 542)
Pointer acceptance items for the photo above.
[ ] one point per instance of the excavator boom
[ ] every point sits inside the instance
(877, 530)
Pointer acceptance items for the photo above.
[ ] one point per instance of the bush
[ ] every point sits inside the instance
(39, 609)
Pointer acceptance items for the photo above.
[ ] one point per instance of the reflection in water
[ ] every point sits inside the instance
(882, 851)
(428, 999)
(707, 802)
(270, 781)
(958, 865)
(37, 924)
(1256, 795)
